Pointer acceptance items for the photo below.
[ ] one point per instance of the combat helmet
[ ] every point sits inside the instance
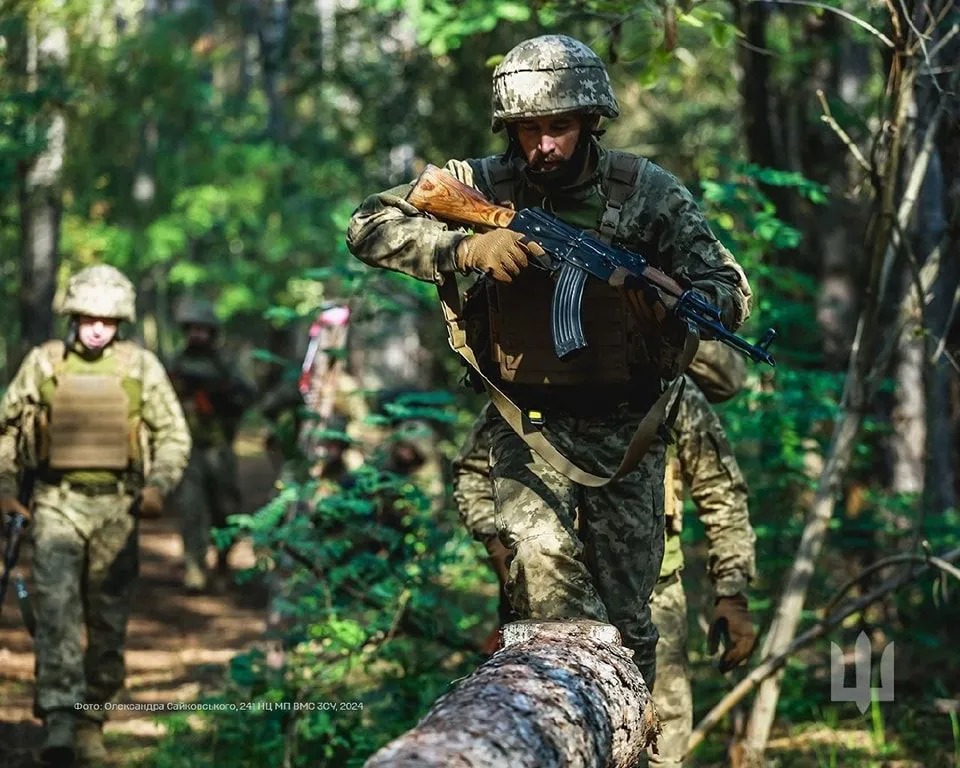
(194, 311)
(550, 75)
(99, 291)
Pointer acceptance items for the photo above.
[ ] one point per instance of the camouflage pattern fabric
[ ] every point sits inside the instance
(708, 470)
(85, 564)
(659, 219)
(607, 569)
(705, 464)
(672, 694)
(719, 372)
(99, 291)
(472, 487)
(208, 494)
(548, 75)
(163, 428)
(85, 546)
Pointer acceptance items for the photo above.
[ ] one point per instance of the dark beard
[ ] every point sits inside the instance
(564, 174)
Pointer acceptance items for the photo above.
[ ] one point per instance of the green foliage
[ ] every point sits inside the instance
(378, 598)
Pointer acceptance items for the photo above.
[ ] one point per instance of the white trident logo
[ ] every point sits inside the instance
(860, 691)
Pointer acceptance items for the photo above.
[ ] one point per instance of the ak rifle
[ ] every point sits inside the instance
(574, 256)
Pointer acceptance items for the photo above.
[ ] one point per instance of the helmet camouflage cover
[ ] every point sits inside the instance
(550, 75)
(193, 311)
(99, 291)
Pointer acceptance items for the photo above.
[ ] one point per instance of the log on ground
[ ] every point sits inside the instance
(557, 694)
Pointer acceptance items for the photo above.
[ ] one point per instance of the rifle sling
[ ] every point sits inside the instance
(640, 443)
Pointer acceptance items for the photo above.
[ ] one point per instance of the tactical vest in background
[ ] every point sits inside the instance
(88, 429)
(520, 343)
(205, 387)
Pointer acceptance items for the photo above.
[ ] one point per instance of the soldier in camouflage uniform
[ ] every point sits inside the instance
(702, 461)
(214, 396)
(549, 96)
(96, 420)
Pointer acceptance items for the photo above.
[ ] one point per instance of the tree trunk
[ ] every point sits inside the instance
(273, 16)
(40, 203)
(884, 243)
(558, 694)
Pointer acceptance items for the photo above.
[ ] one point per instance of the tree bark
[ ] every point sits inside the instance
(558, 694)
(40, 203)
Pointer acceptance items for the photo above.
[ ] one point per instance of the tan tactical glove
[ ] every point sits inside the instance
(151, 502)
(9, 507)
(731, 619)
(499, 253)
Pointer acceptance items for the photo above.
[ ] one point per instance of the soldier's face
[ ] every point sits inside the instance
(548, 142)
(96, 332)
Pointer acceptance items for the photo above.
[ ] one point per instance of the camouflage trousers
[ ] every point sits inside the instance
(208, 494)
(85, 564)
(582, 553)
(672, 694)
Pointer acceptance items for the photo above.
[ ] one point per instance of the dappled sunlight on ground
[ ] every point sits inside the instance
(177, 643)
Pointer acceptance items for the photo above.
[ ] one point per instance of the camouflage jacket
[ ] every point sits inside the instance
(659, 219)
(704, 464)
(161, 420)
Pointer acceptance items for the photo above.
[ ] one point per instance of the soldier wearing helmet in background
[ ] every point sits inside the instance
(95, 418)
(700, 460)
(549, 94)
(214, 397)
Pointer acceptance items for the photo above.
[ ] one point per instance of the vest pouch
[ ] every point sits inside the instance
(522, 345)
(89, 426)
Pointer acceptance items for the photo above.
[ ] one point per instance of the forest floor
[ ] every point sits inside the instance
(177, 643)
(178, 646)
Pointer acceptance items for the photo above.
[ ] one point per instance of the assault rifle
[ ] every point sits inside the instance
(574, 256)
(13, 535)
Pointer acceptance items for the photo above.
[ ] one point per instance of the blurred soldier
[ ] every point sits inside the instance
(702, 460)
(581, 433)
(96, 418)
(214, 397)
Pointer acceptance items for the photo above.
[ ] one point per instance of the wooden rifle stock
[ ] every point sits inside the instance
(441, 194)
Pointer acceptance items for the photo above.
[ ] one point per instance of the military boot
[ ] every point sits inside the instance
(57, 747)
(194, 577)
(88, 743)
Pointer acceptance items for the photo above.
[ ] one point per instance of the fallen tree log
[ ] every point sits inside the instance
(557, 694)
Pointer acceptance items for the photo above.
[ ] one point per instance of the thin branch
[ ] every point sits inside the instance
(947, 37)
(886, 563)
(773, 664)
(894, 19)
(844, 14)
(828, 118)
(917, 32)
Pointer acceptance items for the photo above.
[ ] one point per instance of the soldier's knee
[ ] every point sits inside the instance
(548, 552)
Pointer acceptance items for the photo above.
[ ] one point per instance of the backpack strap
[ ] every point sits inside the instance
(623, 170)
(664, 410)
(499, 177)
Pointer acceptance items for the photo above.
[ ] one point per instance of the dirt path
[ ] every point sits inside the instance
(176, 646)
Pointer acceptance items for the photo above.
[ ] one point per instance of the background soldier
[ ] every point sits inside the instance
(549, 94)
(702, 461)
(214, 397)
(98, 421)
